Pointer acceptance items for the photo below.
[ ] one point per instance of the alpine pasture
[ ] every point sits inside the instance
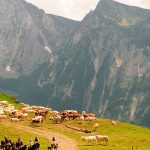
(121, 136)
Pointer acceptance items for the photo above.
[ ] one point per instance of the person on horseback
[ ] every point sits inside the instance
(6, 139)
(19, 139)
(36, 140)
(36, 143)
(19, 143)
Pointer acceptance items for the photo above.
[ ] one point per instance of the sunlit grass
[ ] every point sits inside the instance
(123, 136)
(13, 134)
(10, 99)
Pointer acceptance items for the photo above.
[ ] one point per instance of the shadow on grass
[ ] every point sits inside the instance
(85, 145)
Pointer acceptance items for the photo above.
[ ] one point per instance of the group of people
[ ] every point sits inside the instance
(19, 145)
(7, 144)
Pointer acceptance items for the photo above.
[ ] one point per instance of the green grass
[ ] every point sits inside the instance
(14, 133)
(10, 99)
(121, 137)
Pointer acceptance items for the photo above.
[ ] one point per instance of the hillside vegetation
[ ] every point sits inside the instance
(10, 99)
(122, 136)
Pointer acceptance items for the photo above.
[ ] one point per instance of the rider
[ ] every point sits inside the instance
(6, 140)
(20, 142)
(36, 140)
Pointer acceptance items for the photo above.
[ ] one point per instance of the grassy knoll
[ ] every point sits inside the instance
(10, 99)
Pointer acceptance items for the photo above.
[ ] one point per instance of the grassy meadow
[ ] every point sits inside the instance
(13, 134)
(122, 136)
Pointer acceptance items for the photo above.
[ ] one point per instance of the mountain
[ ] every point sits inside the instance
(101, 64)
(28, 38)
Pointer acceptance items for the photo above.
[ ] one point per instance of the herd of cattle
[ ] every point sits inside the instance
(40, 113)
(8, 111)
(95, 138)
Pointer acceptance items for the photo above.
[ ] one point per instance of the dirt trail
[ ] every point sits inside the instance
(64, 142)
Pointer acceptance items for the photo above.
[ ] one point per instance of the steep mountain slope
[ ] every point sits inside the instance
(105, 68)
(28, 38)
(101, 64)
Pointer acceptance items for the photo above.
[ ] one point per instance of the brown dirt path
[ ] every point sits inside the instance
(64, 142)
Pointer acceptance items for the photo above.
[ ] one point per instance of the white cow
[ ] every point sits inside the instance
(89, 139)
(89, 118)
(102, 138)
(15, 119)
(37, 119)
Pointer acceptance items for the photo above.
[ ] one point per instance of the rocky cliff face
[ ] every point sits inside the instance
(28, 38)
(102, 65)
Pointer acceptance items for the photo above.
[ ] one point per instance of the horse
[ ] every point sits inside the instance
(19, 144)
(6, 146)
(2, 146)
(24, 147)
(35, 146)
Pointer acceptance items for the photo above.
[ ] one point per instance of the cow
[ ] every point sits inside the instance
(57, 118)
(89, 139)
(37, 119)
(89, 118)
(15, 119)
(102, 138)
(114, 123)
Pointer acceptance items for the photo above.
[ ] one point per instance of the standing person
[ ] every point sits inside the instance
(56, 146)
(54, 143)
(31, 143)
